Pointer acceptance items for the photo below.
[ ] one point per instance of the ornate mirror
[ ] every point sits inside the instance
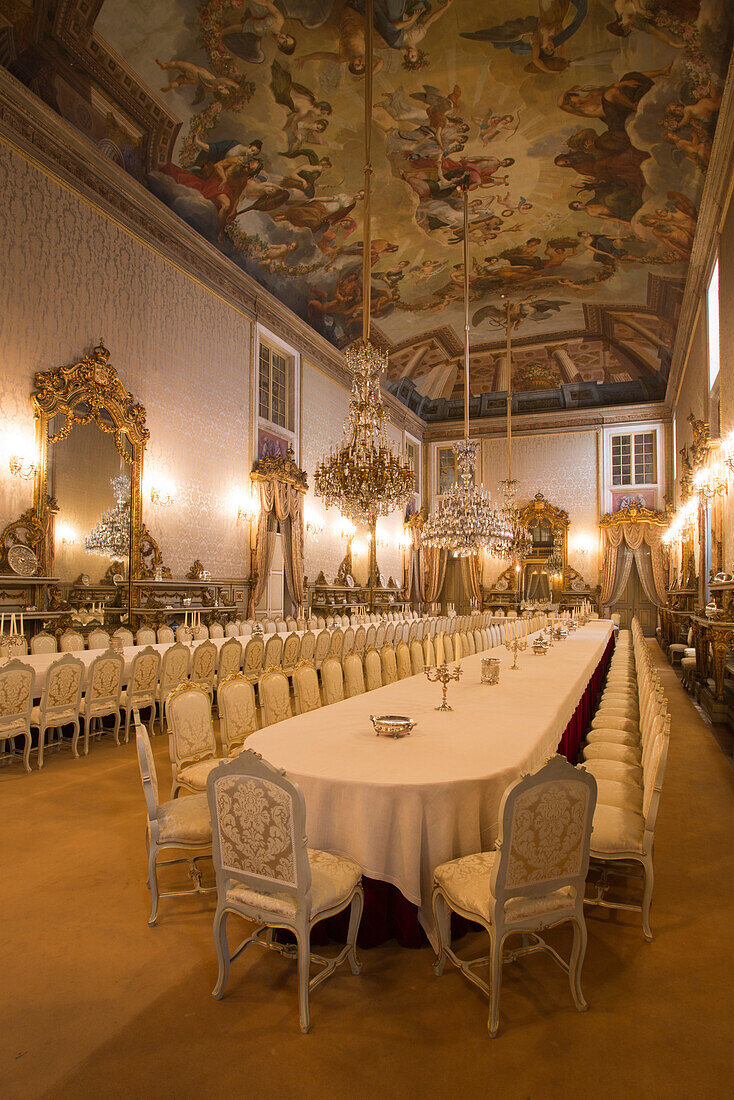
(545, 570)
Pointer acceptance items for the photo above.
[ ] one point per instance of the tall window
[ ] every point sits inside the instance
(412, 451)
(634, 459)
(446, 469)
(712, 302)
(274, 387)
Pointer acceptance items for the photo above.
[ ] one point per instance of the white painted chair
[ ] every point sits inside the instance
(43, 643)
(237, 712)
(98, 639)
(71, 641)
(252, 662)
(533, 880)
(372, 670)
(204, 666)
(191, 742)
(165, 635)
(17, 681)
(102, 695)
(275, 697)
(181, 824)
(145, 636)
(306, 687)
(332, 681)
(174, 670)
(266, 874)
(59, 704)
(216, 630)
(389, 665)
(140, 691)
(353, 675)
(126, 636)
(230, 659)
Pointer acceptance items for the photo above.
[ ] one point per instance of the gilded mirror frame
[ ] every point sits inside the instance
(89, 391)
(541, 512)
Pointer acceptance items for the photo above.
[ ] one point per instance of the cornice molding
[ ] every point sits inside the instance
(564, 420)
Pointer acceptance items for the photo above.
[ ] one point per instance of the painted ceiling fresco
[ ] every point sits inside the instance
(582, 128)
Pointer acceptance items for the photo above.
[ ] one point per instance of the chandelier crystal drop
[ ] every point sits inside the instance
(465, 522)
(111, 536)
(364, 478)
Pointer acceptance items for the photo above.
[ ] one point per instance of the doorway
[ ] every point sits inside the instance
(634, 602)
(271, 603)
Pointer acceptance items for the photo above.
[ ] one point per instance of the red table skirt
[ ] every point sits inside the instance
(387, 914)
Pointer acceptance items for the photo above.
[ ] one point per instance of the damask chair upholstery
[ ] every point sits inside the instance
(306, 687)
(145, 636)
(360, 636)
(184, 635)
(290, 623)
(126, 636)
(534, 879)
(308, 646)
(370, 638)
(449, 643)
(192, 745)
(165, 635)
(348, 642)
(291, 650)
(174, 670)
(60, 703)
(98, 639)
(246, 629)
(201, 632)
(372, 670)
(389, 665)
(17, 681)
(390, 633)
(230, 659)
(380, 636)
(204, 666)
(266, 874)
(332, 681)
(181, 824)
(216, 630)
(43, 643)
(102, 695)
(281, 627)
(320, 622)
(402, 657)
(237, 712)
(232, 630)
(353, 675)
(252, 662)
(269, 626)
(429, 653)
(140, 692)
(273, 651)
(71, 641)
(275, 697)
(321, 650)
(337, 643)
(417, 661)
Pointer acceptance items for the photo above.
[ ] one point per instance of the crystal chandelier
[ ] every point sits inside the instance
(555, 561)
(465, 521)
(111, 536)
(519, 545)
(364, 478)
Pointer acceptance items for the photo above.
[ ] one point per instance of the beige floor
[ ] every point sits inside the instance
(96, 1003)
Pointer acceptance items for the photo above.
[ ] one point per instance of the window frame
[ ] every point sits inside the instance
(274, 353)
(633, 437)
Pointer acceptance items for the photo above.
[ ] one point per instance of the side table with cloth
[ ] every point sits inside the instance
(402, 807)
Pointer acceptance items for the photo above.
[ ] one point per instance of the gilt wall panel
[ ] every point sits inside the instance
(69, 276)
(564, 468)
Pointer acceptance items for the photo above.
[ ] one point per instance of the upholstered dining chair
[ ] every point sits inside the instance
(372, 670)
(321, 651)
(360, 636)
(216, 630)
(290, 624)
(390, 633)
(145, 636)
(348, 641)
(337, 643)
(237, 712)
(389, 665)
(370, 638)
(308, 646)
(275, 697)
(102, 695)
(332, 681)
(182, 825)
(165, 635)
(184, 634)
(140, 691)
(417, 661)
(449, 653)
(402, 657)
(273, 651)
(174, 670)
(204, 666)
(191, 742)
(246, 629)
(380, 636)
(306, 687)
(60, 703)
(534, 879)
(43, 643)
(230, 659)
(232, 630)
(252, 662)
(353, 675)
(429, 653)
(17, 681)
(98, 639)
(201, 632)
(266, 874)
(71, 641)
(126, 636)
(291, 649)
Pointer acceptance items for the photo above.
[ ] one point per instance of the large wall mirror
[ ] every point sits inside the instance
(544, 570)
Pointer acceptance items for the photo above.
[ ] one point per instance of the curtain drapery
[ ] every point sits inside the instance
(281, 504)
(638, 542)
(434, 572)
(472, 576)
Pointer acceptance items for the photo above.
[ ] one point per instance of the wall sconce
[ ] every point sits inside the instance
(346, 529)
(248, 509)
(65, 534)
(405, 541)
(359, 547)
(162, 494)
(22, 467)
(314, 527)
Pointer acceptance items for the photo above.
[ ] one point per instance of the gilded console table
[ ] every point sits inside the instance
(718, 634)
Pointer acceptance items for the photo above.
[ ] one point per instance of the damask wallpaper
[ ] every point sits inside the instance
(564, 468)
(69, 276)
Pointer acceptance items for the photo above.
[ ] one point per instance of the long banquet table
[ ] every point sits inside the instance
(401, 807)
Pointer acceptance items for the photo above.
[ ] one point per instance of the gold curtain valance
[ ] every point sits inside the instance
(634, 513)
(281, 468)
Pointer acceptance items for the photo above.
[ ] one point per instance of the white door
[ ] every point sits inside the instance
(271, 601)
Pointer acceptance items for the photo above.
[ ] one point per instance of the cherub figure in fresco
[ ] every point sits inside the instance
(394, 275)
(675, 224)
(351, 49)
(426, 269)
(507, 207)
(272, 256)
(613, 103)
(542, 36)
(403, 24)
(243, 34)
(198, 77)
(345, 301)
(695, 144)
(703, 109)
(304, 110)
(655, 17)
(491, 125)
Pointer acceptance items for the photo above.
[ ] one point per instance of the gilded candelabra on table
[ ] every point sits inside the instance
(442, 674)
(516, 645)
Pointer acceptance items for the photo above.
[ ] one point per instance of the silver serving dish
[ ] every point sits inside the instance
(392, 725)
(540, 647)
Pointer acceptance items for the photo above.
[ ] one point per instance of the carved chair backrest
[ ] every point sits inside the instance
(189, 724)
(275, 697)
(237, 711)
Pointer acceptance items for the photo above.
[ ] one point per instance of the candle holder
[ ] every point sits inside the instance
(442, 674)
(516, 645)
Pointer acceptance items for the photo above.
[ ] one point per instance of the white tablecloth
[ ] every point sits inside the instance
(401, 807)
